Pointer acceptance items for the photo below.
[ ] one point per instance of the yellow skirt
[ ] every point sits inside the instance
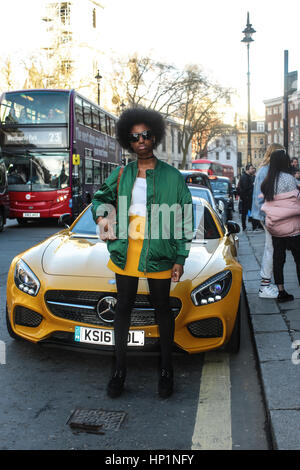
(136, 232)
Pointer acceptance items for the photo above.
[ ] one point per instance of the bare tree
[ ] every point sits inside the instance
(199, 115)
(143, 81)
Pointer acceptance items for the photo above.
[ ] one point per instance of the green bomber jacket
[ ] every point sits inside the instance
(169, 221)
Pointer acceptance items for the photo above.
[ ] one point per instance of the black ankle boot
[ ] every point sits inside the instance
(283, 296)
(165, 383)
(116, 384)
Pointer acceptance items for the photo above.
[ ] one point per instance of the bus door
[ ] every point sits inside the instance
(78, 196)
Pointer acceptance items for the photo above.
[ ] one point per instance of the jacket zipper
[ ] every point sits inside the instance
(150, 224)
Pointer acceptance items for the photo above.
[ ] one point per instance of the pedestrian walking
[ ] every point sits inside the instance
(294, 165)
(245, 192)
(282, 208)
(266, 289)
(144, 183)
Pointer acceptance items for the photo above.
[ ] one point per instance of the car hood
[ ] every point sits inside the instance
(73, 256)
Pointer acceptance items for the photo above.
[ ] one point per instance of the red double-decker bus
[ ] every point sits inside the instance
(211, 167)
(58, 147)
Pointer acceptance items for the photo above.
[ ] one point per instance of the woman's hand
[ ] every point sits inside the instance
(106, 230)
(177, 272)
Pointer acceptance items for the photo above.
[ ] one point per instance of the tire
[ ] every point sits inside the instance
(233, 345)
(11, 332)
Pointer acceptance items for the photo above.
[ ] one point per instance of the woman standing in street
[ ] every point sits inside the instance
(134, 252)
(267, 289)
(282, 208)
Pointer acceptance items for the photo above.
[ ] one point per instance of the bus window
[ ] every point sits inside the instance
(87, 115)
(88, 171)
(102, 122)
(107, 125)
(78, 110)
(95, 118)
(34, 107)
(112, 128)
(96, 172)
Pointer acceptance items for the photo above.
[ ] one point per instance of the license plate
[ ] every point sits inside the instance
(31, 214)
(106, 337)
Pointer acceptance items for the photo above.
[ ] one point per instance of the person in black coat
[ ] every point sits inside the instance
(246, 190)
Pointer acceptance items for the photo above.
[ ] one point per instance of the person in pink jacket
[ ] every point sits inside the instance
(282, 209)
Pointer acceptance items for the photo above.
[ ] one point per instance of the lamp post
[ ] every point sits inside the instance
(98, 78)
(123, 106)
(248, 31)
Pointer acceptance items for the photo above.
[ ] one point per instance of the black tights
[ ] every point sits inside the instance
(159, 293)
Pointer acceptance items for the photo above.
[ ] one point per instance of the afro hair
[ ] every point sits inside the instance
(132, 116)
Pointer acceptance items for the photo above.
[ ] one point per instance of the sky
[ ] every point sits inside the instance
(180, 32)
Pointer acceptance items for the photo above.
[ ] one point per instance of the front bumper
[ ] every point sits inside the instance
(197, 329)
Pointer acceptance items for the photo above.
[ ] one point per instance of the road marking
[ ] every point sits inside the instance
(213, 420)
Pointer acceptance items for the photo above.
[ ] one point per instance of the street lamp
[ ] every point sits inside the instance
(98, 78)
(248, 31)
(123, 106)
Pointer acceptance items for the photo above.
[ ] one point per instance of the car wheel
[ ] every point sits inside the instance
(11, 332)
(233, 345)
(1, 221)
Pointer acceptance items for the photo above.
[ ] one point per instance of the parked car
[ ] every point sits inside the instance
(4, 198)
(223, 191)
(205, 193)
(61, 291)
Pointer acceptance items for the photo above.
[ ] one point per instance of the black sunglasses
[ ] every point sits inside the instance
(135, 136)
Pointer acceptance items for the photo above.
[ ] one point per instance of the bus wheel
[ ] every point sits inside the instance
(21, 221)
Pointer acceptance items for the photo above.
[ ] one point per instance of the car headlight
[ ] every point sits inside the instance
(25, 279)
(213, 289)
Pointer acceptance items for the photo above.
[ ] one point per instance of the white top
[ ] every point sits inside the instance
(139, 198)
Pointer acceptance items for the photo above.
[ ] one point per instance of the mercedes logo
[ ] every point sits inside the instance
(106, 309)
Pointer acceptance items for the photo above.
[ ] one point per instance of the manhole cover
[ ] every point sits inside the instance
(95, 421)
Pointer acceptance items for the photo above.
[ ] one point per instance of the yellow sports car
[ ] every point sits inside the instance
(61, 291)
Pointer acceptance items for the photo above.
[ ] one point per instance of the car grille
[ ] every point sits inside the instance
(206, 328)
(80, 307)
(26, 317)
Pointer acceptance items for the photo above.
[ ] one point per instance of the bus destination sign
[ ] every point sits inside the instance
(47, 138)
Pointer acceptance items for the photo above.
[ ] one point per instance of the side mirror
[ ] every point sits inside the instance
(64, 220)
(221, 207)
(232, 227)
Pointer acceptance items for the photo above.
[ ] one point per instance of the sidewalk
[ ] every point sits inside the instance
(275, 327)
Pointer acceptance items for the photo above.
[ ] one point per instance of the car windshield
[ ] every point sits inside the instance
(204, 225)
(220, 187)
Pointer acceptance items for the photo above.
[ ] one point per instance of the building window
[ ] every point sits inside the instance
(217, 156)
(292, 122)
(260, 126)
(228, 142)
(296, 121)
(64, 13)
(172, 140)
(227, 155)
(217, 143)
(66, 66)
(269, 126)
(179, 142)
(94, 18)
(275, 125)
(261, 141)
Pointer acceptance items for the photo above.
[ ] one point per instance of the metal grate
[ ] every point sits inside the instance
(26, 317)
(80, 307)
(206, 328)
(96, 421)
